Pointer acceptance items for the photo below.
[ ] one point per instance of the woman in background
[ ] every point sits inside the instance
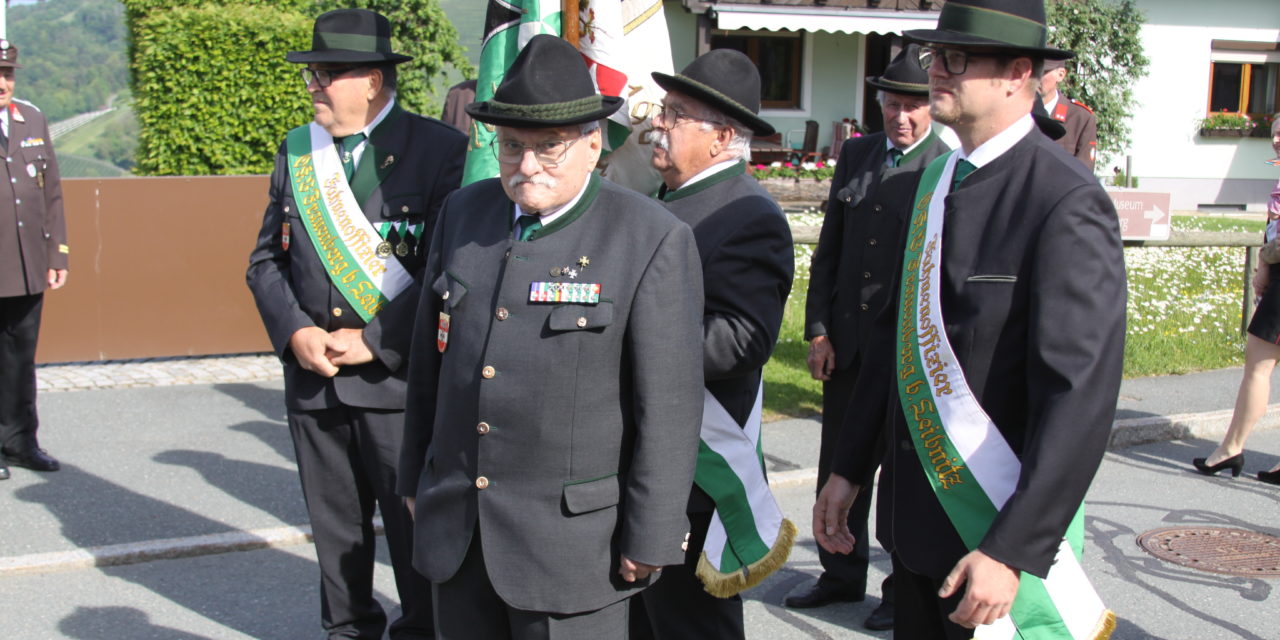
(1261, 349)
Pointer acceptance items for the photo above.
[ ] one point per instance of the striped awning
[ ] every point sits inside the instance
(810, 18)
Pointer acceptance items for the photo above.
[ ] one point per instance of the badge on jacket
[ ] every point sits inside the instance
(284, 236)
(442, 332)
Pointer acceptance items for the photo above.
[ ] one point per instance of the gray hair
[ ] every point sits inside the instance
(587, 127)
(740, 144)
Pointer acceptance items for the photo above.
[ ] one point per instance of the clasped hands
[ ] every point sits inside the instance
(990, 585)
(322, 352)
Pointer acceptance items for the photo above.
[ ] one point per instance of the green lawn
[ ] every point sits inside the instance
(1183, 315)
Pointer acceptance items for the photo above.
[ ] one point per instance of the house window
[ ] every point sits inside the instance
(1245, 77)
(778, 57)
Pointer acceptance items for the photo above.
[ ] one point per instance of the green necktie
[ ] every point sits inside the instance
(963, 169)
(349, 144)
(895, 157)
(527, 225)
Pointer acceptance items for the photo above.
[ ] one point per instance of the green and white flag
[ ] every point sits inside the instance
(508, 26)
(970, 466)
(748, 538)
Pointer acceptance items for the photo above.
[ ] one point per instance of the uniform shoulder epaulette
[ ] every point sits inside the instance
(28, 103)
(1086, 107)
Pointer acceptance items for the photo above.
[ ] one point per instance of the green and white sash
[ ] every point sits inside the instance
(748, 538)
(969, 464)
(343, 237)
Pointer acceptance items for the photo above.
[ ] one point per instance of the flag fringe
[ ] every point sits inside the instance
(726, 585)
(1106, 626)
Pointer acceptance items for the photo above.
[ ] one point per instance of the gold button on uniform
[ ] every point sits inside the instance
(404, 209)
(444, 296)
(337, 313)
(482, 428)
(488, 372)
(582, 322)
(864, 306)
(482, 483)
(502, 313)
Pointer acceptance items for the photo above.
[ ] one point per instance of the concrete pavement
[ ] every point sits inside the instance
(135, 537)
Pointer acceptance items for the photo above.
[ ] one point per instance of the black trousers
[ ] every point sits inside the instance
(847, 572)
(677, 607)
(19, 330)
(919, 614)
(471, 609)
(347, 459)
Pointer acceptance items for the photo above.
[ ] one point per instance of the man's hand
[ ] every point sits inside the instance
(57, 278)
(989, 596)
(411, 503)
(309, 345)
(831, 514)
(632, 570)
(822, 358)
(347, 347)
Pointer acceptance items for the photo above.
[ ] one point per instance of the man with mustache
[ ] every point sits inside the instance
(336, 274)
(702, 144)
(849, 279)
(554, 403)
(1005, 356)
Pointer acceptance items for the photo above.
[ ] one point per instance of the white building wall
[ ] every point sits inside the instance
(1167, 151)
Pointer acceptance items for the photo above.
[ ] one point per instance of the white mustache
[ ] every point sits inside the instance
(542, 180)
(659, 139)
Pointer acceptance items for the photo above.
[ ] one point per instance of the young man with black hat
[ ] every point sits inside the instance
(1081, 137)
(336, 274)
(33, 259)
(1005, 354)
(849, 280)
(554, 403)
(701, 145)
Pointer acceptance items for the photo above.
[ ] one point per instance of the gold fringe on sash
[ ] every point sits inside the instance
(726, 585)
(1106, 626)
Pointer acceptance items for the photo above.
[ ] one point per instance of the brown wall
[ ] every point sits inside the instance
(157, 269)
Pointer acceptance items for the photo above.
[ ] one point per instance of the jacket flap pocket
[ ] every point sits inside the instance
(992, 277)
(450, 289)
(403, 206)
(572, 317)
(591, 495)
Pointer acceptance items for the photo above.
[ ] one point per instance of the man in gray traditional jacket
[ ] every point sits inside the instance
(555, 376)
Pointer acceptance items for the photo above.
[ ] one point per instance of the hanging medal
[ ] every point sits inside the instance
(442, 332)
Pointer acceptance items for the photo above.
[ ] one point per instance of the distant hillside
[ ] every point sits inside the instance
(72, 54)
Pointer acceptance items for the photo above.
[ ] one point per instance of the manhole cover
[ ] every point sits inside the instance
(1231, 551)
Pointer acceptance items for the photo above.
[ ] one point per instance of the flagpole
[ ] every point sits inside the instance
(569, 21)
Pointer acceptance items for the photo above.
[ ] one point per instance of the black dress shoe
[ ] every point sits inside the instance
(821, 595)
(33, 459)
(4, 472)
(1269, 477)
(881, 619)
(1234, 463)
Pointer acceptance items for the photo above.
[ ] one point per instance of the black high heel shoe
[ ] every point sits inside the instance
(1234, 463)
(1269, 477)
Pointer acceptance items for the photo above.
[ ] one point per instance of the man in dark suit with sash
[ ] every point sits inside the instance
(849, 282)
(33, 259)
(1005, 355)
(555, 381)
(336, 274)
(703, 137)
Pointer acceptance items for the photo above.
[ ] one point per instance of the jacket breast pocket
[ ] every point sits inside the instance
(993, 277)
(402, 207)
(591, 495)
(450, 288)
(581, 317)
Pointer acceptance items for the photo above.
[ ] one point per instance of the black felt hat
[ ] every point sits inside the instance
(1006, 26)
(904, 74)
(548, 85)
(350, 35)
(8, 55)
(726, 80)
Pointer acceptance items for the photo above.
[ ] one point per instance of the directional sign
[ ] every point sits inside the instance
(1143, 215)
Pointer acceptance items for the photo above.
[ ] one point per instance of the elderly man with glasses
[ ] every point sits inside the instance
(554, 402)
(702, 137)
(336, 274)
(1005, 356)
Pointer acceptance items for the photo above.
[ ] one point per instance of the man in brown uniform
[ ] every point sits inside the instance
(1081, 139)
(33, 257)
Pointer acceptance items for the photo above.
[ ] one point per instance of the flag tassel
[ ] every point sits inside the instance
(725, 585)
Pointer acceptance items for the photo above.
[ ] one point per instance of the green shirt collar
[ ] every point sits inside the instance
(567, 218)
(738, 168)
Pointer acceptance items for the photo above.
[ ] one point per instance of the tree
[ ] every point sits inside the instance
(1109, 61)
